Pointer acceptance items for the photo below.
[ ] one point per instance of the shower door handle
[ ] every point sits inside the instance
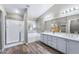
(20, 36)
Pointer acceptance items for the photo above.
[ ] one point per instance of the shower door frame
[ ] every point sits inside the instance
(6, 35)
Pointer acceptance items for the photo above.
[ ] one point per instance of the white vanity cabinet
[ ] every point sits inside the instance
(61, 44)
(49, 40)
(72, 47)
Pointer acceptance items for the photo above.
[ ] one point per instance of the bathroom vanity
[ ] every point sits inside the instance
(63, 42)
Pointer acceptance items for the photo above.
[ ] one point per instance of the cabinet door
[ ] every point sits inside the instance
(72, 47)
(46, 39)
(42, 39)
(53, 42)
(49, 40)
(53, 45)
(54, 39)
(61, 45)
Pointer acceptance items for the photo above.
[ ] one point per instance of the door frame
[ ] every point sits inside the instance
(1, 31)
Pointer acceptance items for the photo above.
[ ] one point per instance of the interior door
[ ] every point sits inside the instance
(12, 31)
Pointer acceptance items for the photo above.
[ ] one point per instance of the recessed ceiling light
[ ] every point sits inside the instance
(16, 11)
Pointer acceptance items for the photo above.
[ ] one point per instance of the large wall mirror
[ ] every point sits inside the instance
(74, 26)
(68, 24)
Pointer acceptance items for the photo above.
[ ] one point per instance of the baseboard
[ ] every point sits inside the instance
(11, 45)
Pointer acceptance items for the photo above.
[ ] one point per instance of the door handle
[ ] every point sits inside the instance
(20, 36)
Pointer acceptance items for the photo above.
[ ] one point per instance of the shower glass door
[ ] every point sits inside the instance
(12, 31)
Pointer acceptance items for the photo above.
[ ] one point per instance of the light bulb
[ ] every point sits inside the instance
(71, 9)
(76, 8)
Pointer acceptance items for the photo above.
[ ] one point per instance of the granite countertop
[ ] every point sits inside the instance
(63, 35)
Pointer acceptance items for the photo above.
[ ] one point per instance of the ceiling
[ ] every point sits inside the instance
(34, 10)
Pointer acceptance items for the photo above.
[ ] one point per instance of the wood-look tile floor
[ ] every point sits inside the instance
(31, 48)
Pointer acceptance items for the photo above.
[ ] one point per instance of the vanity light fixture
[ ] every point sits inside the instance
(70, 10)
(66, 11)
